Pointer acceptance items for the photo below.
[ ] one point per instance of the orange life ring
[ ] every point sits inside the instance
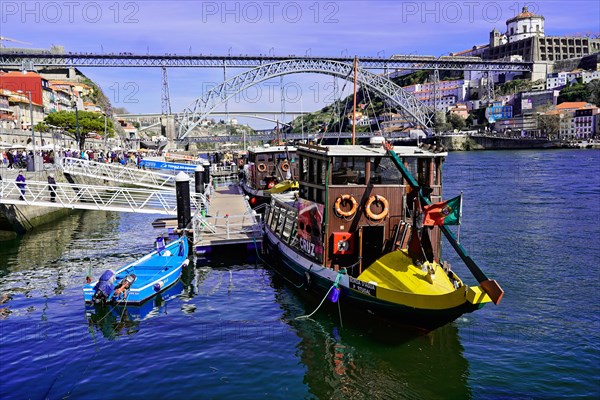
(271, 184)
(241, 162)
(285, 166)
(382, 214)
(338, 206)
(261, 167)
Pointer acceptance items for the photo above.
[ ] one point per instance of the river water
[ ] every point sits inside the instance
(531, 219)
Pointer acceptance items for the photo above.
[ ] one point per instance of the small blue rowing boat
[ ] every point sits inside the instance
(142, 279)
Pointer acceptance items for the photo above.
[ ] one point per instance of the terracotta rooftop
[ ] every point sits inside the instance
(570, 105)
(525, 13)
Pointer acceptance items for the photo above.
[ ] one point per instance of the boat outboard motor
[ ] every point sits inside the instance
(125, 284)
(104, 287)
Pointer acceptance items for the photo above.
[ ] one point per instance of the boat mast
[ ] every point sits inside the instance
(354, 105)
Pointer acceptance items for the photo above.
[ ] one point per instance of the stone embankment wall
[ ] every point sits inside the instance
(483, 142)
(16, 220)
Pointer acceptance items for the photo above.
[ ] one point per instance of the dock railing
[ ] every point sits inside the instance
(92, 197)
(223, 180)
(226, 226)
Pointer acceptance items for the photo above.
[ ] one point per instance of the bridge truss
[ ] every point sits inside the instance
(415, 110)
(400, 61)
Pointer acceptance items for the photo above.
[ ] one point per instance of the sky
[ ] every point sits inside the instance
(317, 28)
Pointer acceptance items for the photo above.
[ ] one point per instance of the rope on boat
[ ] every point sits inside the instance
(335, 285)
(319, 306)
(267, 264)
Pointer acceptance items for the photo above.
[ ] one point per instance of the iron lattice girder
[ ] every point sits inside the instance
(418, 113)
(271, 135)
(402, 62)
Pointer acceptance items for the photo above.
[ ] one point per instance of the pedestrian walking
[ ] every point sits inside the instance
(52, 187)
(21, 184)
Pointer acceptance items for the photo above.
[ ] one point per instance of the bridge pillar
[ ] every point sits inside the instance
(167, 126)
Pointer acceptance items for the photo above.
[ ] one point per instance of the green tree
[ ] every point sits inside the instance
(41, 127)
(456, 121)
(440, 122)
(549, 124)
(87, 121)
(576, 92)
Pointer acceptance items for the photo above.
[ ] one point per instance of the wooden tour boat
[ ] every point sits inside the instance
(354, 232)
(269, 169)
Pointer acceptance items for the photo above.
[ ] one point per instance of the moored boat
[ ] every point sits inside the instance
(140, 280)
(354, 232)
(269, 169)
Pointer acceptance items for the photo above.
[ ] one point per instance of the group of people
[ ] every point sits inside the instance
(20, 180)
(106, 156)
(15, 158)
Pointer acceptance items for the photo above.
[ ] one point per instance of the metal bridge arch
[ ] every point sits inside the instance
(413, 109)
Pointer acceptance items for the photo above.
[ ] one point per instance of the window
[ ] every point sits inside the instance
(289, 226)
(274, 216)
(303, 169)
(281, 223)
(348, 170)
(383, 171)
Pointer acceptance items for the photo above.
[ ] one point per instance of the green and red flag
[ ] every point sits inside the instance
(445, 213)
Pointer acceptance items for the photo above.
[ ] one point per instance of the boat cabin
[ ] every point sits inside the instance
(266, 166)
(353, 204)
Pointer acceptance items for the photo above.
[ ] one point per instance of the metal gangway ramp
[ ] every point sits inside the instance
(231, 221)
(123, 174)
(94, 197)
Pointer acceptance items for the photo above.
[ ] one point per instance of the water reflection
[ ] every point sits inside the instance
(114, 321)
(374, 360)
(47, 261)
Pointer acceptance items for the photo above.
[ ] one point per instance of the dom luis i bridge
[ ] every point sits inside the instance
(259, 68)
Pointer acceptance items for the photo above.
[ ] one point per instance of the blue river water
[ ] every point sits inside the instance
(531, 219)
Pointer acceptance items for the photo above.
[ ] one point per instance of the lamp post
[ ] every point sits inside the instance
(31, 122)
(77, 138)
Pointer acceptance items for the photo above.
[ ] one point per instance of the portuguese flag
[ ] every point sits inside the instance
(445, 213)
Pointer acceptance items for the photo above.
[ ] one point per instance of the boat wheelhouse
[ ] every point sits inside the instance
(269, 169)
(350, 229)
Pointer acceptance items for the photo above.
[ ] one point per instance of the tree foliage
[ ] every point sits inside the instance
(576, 92)
(549, 124)
(588, 92)
(88, 122)
(456, 121)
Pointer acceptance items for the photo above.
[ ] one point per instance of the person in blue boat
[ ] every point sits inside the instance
(21, 184)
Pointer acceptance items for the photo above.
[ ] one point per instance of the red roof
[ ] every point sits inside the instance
(571, 105)
(525, 13)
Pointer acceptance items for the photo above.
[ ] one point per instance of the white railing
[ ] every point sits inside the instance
(227, 226)
(223, 180)
(224, 169)
(91, 197)
(115, 172)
